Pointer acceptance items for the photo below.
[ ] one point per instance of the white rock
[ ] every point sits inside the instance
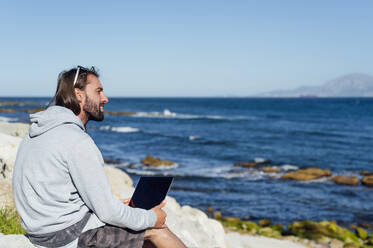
(8, 151)
(14, 129)
(235, 240)
(120, 182)
(193, 226)
(6, 195)
(15, 241)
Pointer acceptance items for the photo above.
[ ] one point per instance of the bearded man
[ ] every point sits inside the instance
(60, 188)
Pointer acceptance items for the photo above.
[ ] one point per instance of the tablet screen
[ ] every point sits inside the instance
(150, 192)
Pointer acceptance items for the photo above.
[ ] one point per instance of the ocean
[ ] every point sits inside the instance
(206, 136)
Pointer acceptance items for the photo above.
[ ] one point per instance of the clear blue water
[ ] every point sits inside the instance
(206, 136)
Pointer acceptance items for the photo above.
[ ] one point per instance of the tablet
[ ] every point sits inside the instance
(150, 192)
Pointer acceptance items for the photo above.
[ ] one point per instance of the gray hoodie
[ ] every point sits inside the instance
(59, 176)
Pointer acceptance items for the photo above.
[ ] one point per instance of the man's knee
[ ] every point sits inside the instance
(152, 234)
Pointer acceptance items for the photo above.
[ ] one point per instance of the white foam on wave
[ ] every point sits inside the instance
(6, 119)
(169, 114)
(159, 168)
(165, 114)
(287, 167)
(260, 160)
(216, 117)
(224, 171)
(320, 180)
(227, 173)
(349, 174)
(141, 172)
(120, 129)
(193, 137)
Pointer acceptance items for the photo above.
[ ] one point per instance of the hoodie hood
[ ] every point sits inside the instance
(52, 117)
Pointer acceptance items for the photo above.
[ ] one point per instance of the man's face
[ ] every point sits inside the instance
(95, 99)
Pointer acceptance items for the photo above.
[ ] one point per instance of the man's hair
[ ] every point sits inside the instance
(65, 93)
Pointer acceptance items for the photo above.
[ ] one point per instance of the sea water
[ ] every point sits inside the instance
(206, 136)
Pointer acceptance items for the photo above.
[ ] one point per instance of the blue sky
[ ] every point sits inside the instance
(184, 48)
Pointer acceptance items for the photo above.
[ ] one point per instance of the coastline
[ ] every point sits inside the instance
(192, 225)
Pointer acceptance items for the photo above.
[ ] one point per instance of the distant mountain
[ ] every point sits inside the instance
(351, 85)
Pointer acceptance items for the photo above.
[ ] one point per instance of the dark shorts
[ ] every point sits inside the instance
(111, 237)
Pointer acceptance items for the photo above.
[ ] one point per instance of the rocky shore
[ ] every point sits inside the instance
(193, 226)
(307, 174)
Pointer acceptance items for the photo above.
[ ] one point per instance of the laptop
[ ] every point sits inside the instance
(150, 192)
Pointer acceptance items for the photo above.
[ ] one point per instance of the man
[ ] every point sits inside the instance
(60, 188)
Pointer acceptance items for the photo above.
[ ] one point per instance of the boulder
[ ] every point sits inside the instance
(14, 129)
(7, 110)
(347, 180)
(6, 195)
(370, 241)
(10, 110)
(278, 227)
(235, 240)
(193, 227)
(217, 215)
(269, 232)
(112, 161)
(264, 222)
(30, 111)
(307, 174)
(271, 170)
(351, 245)
(361, 233)
(366, 173)
(366, 225)
(15, 241)
(245, 164)
(120, 182)
(335, 243)
(352, 226)
(314, 230)
(16, 103)
(8, 152)
(367, 181)
(152, 161)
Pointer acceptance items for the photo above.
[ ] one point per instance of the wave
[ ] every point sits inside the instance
(165, 114)
(168, 114)
(318, 133)
(7, 119)
(156, 168)
(193, 137)
(287, 167)
(120, 129)
(261, 161)
(225, 172)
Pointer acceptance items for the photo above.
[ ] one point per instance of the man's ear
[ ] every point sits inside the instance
(79, 95)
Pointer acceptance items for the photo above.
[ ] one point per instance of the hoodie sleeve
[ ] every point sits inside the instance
(88, 175)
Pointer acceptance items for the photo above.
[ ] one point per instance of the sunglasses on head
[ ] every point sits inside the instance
(78, 68)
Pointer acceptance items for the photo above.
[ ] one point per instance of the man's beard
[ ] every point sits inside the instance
(93, 110)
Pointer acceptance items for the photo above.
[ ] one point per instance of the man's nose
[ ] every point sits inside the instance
(105, 99)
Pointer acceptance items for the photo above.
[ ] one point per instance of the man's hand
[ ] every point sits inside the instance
(161, 215)
(125, 201)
